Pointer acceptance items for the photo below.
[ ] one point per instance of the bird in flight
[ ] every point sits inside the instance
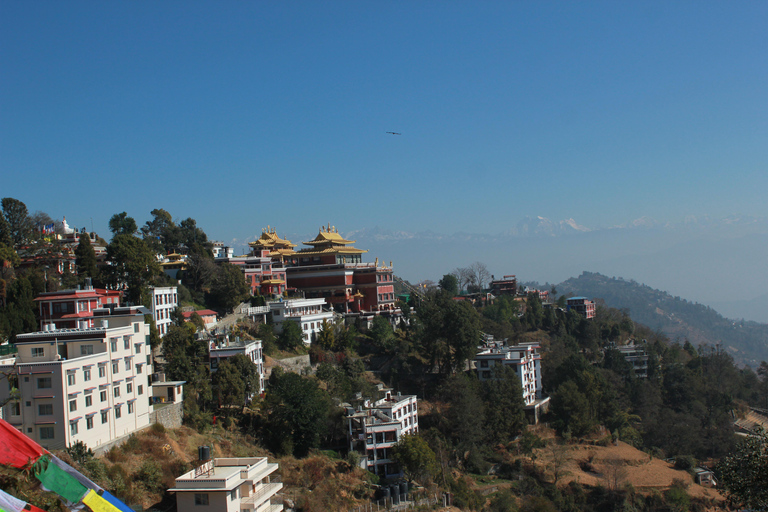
(394, 133)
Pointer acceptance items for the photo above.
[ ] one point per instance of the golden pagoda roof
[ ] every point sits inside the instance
(329, 235)
(316, 251)
(270, 240)
(272, 281)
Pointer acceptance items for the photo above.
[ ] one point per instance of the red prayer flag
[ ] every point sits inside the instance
(16, 449)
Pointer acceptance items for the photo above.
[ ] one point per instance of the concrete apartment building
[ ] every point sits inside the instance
(525, 360)
(308, 313)
(373, 429)
(164, 301)
(582, 306)
(229, 485)
(88, 384)
(222, 349)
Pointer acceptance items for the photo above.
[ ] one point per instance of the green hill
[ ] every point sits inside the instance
(678, 318)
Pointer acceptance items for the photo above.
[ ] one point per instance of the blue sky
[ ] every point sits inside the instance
(248, 114)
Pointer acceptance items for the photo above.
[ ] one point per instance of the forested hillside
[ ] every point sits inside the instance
(677, 318)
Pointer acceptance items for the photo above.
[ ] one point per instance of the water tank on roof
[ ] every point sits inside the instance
(204, 453)
(384, 491)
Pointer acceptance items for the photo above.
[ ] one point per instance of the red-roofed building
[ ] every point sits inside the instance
(73, 309)
(209, 316)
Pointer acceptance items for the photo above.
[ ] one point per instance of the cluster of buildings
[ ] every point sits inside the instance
(86, 375)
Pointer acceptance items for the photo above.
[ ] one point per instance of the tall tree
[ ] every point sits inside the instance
(133, 265)
(229, 287)
(744, 473)
(85, 258)
(122, 224)
(297, 411)
(416, 458)
(504, 407)
(17, 216)
(450, 284)
(290, 338)
(5, 231)
(161, 233)
(479, 276)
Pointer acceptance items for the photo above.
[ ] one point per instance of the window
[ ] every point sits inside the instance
(116, 391)
(138, 368)
(89, 422)
(141, 389)
(233, 495)
(130, 407)
(88, 401)
(102, 371)
(136, 327)
(73, 428)
(38, 352)
(86, 350)
(127, 364)
(103, 395)
(113, 344)
(44, 409)
(44, 383)
(138, 348)
(129, 387)
(126, 342)
(118, 414)
(46, 433)
(86, 374)
(115, 368)
(201, 498)
(72, 405)
(15, 408)
(71, 379)
(104, 417)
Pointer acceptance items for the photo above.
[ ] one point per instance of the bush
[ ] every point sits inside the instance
(685, 462)
(150, 475)
(158, 428)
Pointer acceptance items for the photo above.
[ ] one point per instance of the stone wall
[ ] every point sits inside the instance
(169, 416)
(290, 364)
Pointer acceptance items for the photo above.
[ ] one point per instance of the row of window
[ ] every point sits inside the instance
(165, 298)
(47, 409)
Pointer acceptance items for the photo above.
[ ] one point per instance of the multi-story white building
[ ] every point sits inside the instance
(164, 301)
(373, 429)
(525, 360)
(87, 384)
(229, 485)
(308, 313)
(222, 349)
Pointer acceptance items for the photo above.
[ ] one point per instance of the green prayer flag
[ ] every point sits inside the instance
(62, 483)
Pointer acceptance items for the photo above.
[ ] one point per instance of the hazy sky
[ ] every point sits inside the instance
(244, 114)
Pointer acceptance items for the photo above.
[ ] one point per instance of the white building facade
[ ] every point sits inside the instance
(88, 384)
(164, 301)
(374, 429)
(308, 313)
(229, 485)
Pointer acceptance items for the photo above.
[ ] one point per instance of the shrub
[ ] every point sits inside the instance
(685, 462)
(158, 428)
(150, 475)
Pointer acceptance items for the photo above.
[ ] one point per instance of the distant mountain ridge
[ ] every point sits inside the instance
(678, 318)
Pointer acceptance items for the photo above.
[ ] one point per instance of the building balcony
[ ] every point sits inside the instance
(263, 493)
